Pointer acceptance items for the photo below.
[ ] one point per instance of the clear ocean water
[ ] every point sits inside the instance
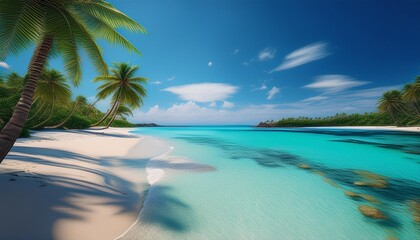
(258, 189)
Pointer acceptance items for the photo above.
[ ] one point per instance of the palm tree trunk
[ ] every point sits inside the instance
(111, 121)
(109, 112)
(13, 128)
(394, 118)
(104, 117)
(416, 107)
(92, 106)
(45, 111)
(49, 116)
(113, 117)
(36, 113)
(65, 120)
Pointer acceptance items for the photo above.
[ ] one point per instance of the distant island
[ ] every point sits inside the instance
(399, 108)
(146, 125)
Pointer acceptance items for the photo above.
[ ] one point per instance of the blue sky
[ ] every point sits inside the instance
(245, 61)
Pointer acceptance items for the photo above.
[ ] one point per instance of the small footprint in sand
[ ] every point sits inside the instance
(12, 179)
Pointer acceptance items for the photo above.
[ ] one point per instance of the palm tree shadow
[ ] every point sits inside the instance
(164, 209)
(56, 202)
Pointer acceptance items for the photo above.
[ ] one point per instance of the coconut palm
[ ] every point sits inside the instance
(411, 94)
(80, 101)
(122, 112)
(52, 89)
(57, 27)
(124, 87)
(391, 102)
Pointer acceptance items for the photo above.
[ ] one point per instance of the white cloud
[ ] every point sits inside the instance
(227, 104)
(266, 54)
(273, 92)
(4, 65)
(156, 82)
(213, 104)
(191, 113)
(334, 83)
(210, 64)
(203, 92)
(315, 99)
(236, 51)
(171, 78)
(307, 54)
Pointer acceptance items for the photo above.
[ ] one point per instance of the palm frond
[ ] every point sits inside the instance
(21, 23)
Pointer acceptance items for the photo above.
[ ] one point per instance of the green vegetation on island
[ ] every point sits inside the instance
(399, 108)
(61, 28)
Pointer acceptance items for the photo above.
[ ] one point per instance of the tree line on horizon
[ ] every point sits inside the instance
(395, 107)
(42, 98)
(53, 106)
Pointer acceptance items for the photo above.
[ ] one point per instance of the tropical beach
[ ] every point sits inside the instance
(186, 120)
(81, 181)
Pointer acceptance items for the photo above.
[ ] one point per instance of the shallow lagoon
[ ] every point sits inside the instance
(260, 191)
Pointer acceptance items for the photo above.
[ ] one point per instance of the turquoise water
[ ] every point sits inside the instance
(258, 190)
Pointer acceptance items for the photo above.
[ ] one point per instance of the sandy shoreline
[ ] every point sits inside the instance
(75, 184)
(389, 128)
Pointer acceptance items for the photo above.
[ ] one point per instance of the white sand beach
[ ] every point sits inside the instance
(75, 184)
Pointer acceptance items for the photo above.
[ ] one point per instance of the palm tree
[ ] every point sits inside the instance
(52, 89)
(80, 100)
(391, 102)
(122, 112)
(124, 87)
(411, 94)
(62, 27)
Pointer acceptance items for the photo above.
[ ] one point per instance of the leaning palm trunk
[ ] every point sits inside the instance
(110, 111)
(45, 111)
(13, 128)
(37, 111)
(104, 117)
(92, 106)
(111, 121)
(49, 116)
(113, 116)
(416, 107)
(73, 110)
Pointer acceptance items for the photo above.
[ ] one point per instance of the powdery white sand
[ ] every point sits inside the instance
(75, 184)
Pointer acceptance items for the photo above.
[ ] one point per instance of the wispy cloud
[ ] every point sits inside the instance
(262, 87)
(306, 54)
(334, 83)
(156, 82)
(236, 51)
(247, 63)
(227, 104)
(266, 54)
(203, 92)
(4, 65)
(273, 92)
(210, 64)
(171, 78)
(315, 99)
